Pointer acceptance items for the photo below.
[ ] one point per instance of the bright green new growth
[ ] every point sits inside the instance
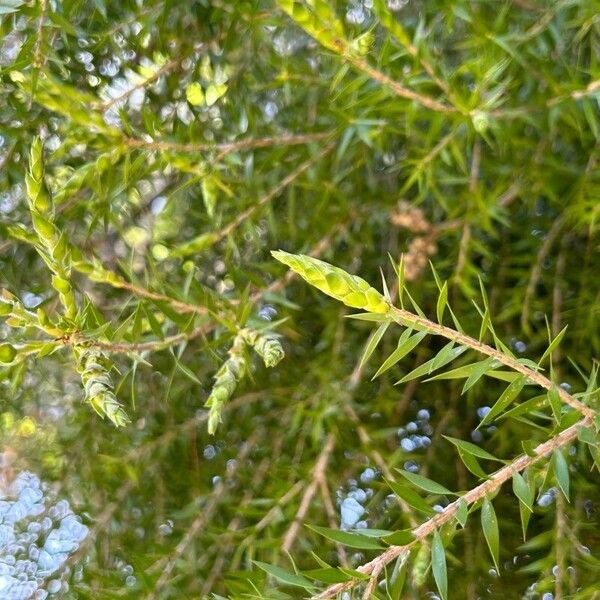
(53, 247)
(234, 368)
(226, 380)
(351, 290)
(98, 386)
(267, 347)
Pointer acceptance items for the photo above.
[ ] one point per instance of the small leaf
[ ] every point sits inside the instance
(373, 342)
(508, 395)
(405, 345)
(477, 374)
(529, 446)
(210, 196)
(472, 449)
(399, 538)
(472, 464)
(521, 491)
(410, 497)
(441, 303)
(562, 472)
(587, 436)
(374, 317)
(327, 575)
(555, 342)
(525, 516)
(352, 540)
(466, 370)
(424, 483)
(489, 523)
(462, 514)
(555, 403)
(214, 92)
(438, 565)
(285, 576)
(427, 367)
(7, 353)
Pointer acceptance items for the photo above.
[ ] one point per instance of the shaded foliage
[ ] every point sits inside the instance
(154, 154)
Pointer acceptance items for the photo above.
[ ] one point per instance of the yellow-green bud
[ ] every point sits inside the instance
(98, 387)
(7, 353)
(269, 349)
(45, 229)
(351, 290)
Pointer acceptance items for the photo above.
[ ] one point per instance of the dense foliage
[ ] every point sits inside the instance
(211, 425)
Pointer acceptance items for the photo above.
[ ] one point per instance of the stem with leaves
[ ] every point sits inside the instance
(356, 292)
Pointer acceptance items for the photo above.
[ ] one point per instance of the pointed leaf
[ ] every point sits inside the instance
(521, 491)
(352, 540)
(555, 403)
(561, 469)
(405, 345)
(410, 497)
(472, 464)
(427, 367)
(525, 515)
(285, 576)
(508, 395)
(399, 538)
(327, 575)
(462, 514)
(553, 345)
(373, 342)
(424, 483)
(472, 449)
(438, 565)
(489, 523)
(477, 374)
(441, 303)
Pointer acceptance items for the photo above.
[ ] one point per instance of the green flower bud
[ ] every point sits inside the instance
(45, 229)
(98, 387)
(226, 380)
(7, 353)
(270, 350)
(333, 281)
(39, 197)
(60, 285)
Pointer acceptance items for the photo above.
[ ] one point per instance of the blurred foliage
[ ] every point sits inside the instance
(179, 144)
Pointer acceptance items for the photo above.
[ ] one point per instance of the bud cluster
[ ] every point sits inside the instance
(266, 346)
(226, 380)
(351, 290)
(98, 386)
(53, 246)
(234, 368)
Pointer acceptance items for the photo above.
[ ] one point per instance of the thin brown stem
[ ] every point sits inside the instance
(317, 475)
(225, 148)
(398, 89)
(273, 193)
(406, 317)
(167, 564)
(474, 495)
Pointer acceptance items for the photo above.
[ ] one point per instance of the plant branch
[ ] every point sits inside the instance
(227, 147)
(478, 493)
(403, 316)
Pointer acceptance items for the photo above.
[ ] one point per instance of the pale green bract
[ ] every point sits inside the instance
(351, 290)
